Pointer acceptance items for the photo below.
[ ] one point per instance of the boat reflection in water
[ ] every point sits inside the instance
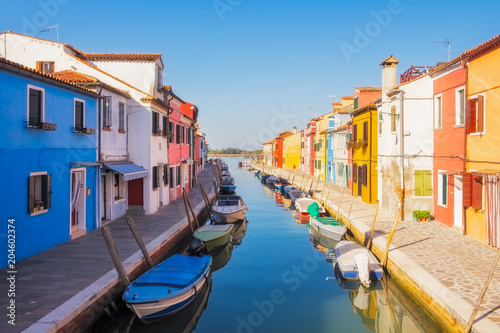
(322, 240)
(184, 321)
(221, 255)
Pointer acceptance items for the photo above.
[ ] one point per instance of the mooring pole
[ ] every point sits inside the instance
(187, 212)
(215, 187)
(307, 181)
(368, 245)
(207, 203)
(322, 193)
(350, 209)
(138, 239)
(302, 179)
(340, 203)
(294, 173)
(191, 208)
(328, 193)
(480, 299)
(389, 239)
(316, 188)
(115, 256)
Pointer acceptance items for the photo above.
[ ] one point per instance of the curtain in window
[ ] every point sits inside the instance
(75, 192)
(493, 209)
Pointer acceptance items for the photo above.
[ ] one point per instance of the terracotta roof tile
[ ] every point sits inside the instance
(32, 70)
(336, 104)
(369, 89)
(347, 98)
(120, 56)
(75, 77)
(390, 60)
(346, 110)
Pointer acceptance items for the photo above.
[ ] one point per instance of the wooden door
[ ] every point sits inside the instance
(136, 192)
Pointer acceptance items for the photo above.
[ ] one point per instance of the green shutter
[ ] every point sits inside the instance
(445, 190)
(419, 183)
(31, 194)
(47, 190)
(427, 183)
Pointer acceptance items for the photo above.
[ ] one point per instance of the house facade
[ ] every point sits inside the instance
(267, 151)
(292, 150)
(49, 127)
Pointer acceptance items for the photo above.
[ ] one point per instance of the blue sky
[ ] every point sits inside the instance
(257, 67)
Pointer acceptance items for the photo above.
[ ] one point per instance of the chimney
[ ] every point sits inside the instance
(389, 76)
(294, 129)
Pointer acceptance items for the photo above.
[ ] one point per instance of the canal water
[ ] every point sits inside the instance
(277, 277)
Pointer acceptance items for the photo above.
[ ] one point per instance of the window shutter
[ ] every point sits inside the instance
(471, 116)
(427, 183)
(51, 67)
(365, 175)
(31, 194)
(418, 182)
(355, 133)
(480, 113)
(365, 130)
(467, 189)
(155, 177)
(47, 190)
(355, 173)
(39, 66)
(477, 192)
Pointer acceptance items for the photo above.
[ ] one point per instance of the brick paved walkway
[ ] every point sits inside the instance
(449, 267)
(53, 284)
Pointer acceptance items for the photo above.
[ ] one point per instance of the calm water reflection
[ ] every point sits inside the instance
(277, 277)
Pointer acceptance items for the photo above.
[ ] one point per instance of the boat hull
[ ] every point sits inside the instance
(333, 232)
(213, 238)
(231, 217)
(345, 251)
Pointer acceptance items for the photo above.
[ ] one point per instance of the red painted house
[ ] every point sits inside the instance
(365, 95)
(278, 149)
(450, 85)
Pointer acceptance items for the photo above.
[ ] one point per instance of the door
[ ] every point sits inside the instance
(458, 208)
(360, 181)
(77, 202)
(135, 192)
(103, 198)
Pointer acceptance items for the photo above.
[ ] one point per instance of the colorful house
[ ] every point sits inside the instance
(481, 181)
(278, 149)
(308, 139)
(268, 148)
(48, 147)
(292, 150)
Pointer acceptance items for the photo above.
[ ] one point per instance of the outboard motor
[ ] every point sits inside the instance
(195, 249)
(362, 264)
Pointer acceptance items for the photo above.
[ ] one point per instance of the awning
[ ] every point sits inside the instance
(130, 171)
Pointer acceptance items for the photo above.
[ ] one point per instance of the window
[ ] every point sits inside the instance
(442, 189)
(39, 192)
(171, 130)
(45, 66)
(165, 175)
(380, 122)
(183, 134)
(35, 107)
(79, 115)
(178, 175)
(155, 128)
(119, 186)
(475, 115)
(155, 177)
(171, 177)
(423, 183)
(121, 117)
(177, 133)
(164, 127)
(438, 111)
(460, 107)
(355, 172)
(393, 118)
(106, 112)
(365, 131)
(364, 170)
(472, 190)
(355, 133)
(159, 78)
(355, 102)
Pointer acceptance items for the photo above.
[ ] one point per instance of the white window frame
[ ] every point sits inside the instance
(457, 107)
(440, 188)
(484, 114)
(438, 117)
(42, 117)
(37, 174)
(74, 109)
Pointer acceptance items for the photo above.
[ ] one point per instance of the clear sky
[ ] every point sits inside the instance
(258, 67)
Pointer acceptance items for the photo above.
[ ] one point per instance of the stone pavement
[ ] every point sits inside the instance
(57, 285)
(444, 269)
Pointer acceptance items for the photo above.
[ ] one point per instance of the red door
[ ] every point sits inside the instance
(135, 192)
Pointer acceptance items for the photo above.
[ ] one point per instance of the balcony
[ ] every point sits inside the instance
(41, 125)
(83, 130)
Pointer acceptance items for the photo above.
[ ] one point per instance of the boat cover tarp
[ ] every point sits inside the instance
(178, 271)
(313, 209)
(328, 221)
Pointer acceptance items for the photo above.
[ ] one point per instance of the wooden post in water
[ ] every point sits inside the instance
(115, 256)
(328, 193)
(368, 245)
(350, 209)
(389, 239)
(307, 181)
(215, 187)
(480, 299)
(207, 203)
(187, 212)
(322, 193)
(302, 179)
(294, 173)
(139, 240)
(340, 203)
(191, 208)
(314, 194)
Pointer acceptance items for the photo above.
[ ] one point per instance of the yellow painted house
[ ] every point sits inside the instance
(321, 145)
(481, 182)
(292, 150)
(364, 142)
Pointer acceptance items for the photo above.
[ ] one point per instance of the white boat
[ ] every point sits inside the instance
(230, 208)
(272, 180)
(357, 263)
(304, 205)
(225, 173)
(328, 227)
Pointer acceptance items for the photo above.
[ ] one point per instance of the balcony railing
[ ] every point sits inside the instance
(83, 130)
(40, 125)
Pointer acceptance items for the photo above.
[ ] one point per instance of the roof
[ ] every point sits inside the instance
(119, 56)
(336, 104)
(269, 142)
(188, 110)
(347, 98)
(369, 89)
(390, 60)
(10, 65)
(345, 109)
(366, 107)
(84, 80)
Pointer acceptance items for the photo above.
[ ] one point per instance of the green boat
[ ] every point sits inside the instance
(214, 235)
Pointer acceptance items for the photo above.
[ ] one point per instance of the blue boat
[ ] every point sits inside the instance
(168, 287)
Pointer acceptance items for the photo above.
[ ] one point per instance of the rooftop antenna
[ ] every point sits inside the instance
(449, 48)
(51, 27)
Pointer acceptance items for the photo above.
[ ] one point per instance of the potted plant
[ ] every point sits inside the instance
(421, 215)
(39, 205)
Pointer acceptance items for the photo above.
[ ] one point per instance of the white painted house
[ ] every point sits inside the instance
(340, 137)
(405, 151)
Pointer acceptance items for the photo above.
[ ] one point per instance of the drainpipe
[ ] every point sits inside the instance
(402, 151)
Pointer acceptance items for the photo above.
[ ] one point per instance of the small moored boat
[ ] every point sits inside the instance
(356, 262)
(168, 287)
(328, 227)
(307, 207)
(227, 185)
(214, 236)
(297, 194)
(230, 208)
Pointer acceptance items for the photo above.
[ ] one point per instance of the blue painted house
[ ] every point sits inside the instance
(48, 147)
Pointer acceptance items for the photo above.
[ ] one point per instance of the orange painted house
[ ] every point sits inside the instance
(278, 149)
